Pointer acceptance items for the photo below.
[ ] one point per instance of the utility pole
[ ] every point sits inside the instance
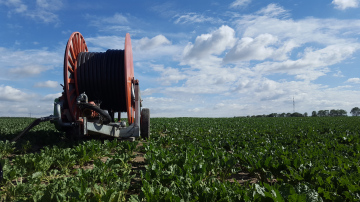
(293, 104)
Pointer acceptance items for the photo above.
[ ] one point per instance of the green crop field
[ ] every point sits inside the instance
(188, 159)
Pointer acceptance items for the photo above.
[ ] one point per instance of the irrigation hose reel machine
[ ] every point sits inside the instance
(96, 86)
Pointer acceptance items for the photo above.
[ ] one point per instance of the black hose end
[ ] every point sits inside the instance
(103, 113)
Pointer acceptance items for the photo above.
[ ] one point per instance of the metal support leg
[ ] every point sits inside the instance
(137, 104)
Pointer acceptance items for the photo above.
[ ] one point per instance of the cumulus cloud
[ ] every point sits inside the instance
(47, 84)
(206, 46)
(271, 37)
(239, 3)
(338, 74)
(302, 31)
(8, 93)
(344, 4)
(155, 42)
(216, 66)
(313, 64)
(353, 80)
(143, 49)
(169, 75)
(51, 97)
(262, 47)
(25, 63)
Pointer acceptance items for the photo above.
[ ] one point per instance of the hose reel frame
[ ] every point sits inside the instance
(77, 44)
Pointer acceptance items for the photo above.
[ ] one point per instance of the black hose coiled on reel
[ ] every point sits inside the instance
(102, 77)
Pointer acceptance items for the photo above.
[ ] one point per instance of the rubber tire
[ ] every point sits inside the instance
(145, 123)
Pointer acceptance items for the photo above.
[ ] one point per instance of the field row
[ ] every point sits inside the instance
(190, 159)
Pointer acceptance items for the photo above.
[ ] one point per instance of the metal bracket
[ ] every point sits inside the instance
(115, 129)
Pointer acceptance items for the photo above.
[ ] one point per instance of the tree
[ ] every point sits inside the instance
(314, 114)
(305, 114)
(338, 112)
(355, 111)
(296, 114)
(272, 115)
(342, 112)
(321, 113)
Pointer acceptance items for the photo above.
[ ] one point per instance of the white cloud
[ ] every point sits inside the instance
(26, 71)
(206, 46)
(239, 3)
(143, 49)
(51, 97)
(47, 84)
(302, 31)
(165, 9)
(117, 23)
(344, 4)
(190, 18)
(270, 37)
(25, 63)
(44, 10)
(117, 18)
(102, 43)
(194, 110)
(338, 74)
(8, 93)
(169, 75)
(100, 21)
(16, 5)
(43, 15)
(273, 10)
(49, 4)
(353, 80)
(155, 42)
(306, 49)
(313, 64)
(262, 47)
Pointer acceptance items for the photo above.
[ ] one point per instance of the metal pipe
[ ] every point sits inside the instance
(57, 114)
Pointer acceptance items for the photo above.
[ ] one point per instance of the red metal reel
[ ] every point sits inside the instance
(75, 45)
(129, 76)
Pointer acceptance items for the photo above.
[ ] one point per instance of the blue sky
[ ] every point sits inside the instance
(192, 58)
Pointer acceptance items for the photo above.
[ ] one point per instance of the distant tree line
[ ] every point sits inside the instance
(295, 114)
(333, 112)
(321, 113)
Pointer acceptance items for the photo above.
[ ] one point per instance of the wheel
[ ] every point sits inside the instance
(74, 46)
(145, 123)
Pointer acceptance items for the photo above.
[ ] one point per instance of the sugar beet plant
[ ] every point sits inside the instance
(288, 159)
(190, 159)
(91, 170)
